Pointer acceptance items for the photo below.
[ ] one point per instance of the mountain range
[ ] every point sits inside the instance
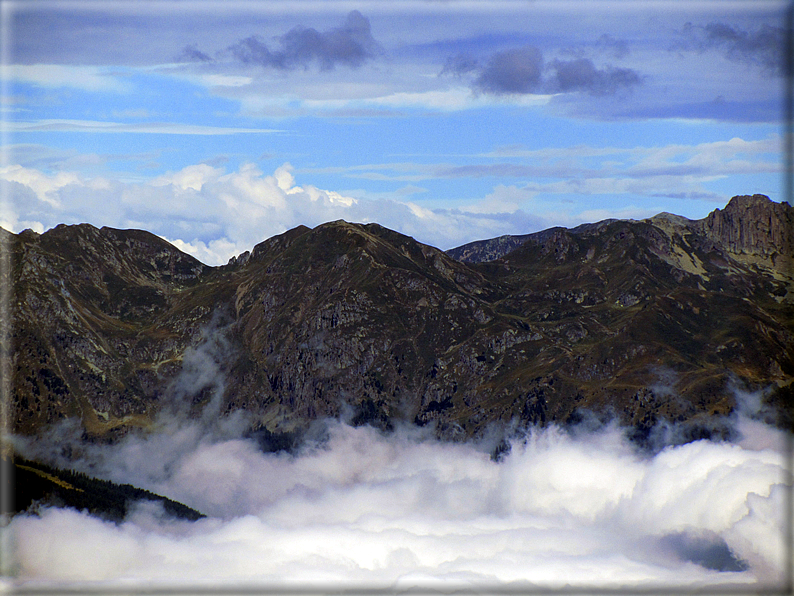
(662, 319)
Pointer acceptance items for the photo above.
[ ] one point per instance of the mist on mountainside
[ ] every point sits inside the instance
(604, 407)
(543, 507)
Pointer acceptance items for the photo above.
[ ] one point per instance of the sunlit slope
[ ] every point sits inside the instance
(640, 320)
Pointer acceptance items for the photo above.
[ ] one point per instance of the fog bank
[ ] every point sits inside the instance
(362, 508)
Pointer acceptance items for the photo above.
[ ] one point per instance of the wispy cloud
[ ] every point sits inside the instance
(581, 163)
(87, 78)
(96, 126)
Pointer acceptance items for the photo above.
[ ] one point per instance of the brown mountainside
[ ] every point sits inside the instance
(644, 320)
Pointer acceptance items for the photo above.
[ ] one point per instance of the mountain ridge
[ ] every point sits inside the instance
(749, 224)
(358, 318)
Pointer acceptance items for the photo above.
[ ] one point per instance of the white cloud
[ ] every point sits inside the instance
(441, 100)
(628, 212)
(219, 80)
(404, 510)
(503, 199)
(354, 507)
(674, 170)
(212, 252)
(214, 215)
(44, 186)
(191, 177)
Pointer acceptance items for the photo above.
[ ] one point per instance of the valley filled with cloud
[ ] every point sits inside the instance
(217, 126)
(360, 508)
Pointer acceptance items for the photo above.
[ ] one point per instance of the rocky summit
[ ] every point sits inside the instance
(643, 321)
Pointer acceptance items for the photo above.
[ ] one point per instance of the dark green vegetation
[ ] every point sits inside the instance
(37, 485)
(642, 320)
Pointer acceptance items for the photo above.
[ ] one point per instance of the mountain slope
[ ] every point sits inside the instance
(37, 485)
(646, 320)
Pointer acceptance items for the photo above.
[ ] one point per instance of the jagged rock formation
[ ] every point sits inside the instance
(645, 320)
(755, 226)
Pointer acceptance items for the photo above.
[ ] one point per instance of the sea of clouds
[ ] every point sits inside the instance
(357, 508)
(399, 510)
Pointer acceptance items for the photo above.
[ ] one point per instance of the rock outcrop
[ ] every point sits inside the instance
(753, 226)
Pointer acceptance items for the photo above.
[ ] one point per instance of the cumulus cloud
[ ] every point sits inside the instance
(764, 47)
(214, 215)
(351, 45)
(44, 186)
(360, 508)
(355, 508)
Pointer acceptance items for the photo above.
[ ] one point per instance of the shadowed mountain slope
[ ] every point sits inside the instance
(645, 320)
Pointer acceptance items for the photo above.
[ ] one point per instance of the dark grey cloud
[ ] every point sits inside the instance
(459, 65)
(191, 53)
(523, 71)
(351, 44)
(582, 75)
(764, 46)
(518, 70)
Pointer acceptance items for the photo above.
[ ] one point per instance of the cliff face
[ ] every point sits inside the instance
(755, 226)
(645, 320)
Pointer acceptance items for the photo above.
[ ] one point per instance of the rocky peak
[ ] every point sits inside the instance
(753, 225)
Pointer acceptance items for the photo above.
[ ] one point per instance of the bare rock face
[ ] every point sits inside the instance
(754, 225)
(647, 320)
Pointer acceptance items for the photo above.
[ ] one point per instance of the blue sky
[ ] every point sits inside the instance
(217, 125)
